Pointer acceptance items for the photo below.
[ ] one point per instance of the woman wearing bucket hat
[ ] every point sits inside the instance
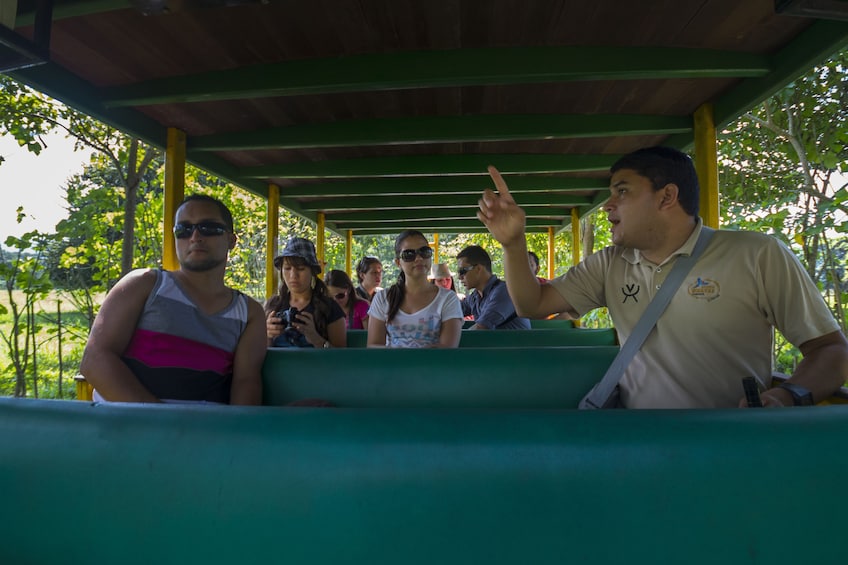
(302, 314)
(440, 275)
(413, 312)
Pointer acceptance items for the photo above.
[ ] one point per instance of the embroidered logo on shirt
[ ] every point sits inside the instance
(630, 291)
(704, 289)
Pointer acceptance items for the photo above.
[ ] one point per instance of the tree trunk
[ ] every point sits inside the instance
(130, 202)
(31, 326)
(59, 343)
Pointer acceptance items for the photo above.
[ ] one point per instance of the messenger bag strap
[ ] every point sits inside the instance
(602, 391)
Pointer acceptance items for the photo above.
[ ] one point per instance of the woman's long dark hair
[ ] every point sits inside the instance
(320, 299)
(397, 292)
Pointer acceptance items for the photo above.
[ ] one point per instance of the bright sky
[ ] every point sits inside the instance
(35, 182)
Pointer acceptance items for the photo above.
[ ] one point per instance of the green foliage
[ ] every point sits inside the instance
(779, 171)
(21, 268)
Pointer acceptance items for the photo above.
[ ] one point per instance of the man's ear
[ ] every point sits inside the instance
(233, 240)
(669, 195)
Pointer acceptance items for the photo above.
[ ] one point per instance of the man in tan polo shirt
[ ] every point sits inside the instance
(719, 325)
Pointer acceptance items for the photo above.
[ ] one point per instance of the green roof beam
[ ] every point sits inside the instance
(435, 165)
(442, 185)
(439, 201)
(444, 129)
(442, 68)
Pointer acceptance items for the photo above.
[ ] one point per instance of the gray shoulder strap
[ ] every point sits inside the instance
(602, 391)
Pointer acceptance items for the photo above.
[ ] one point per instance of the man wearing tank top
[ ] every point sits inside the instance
(183, 335)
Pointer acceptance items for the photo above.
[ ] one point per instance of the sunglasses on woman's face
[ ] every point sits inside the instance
(408, 255)
(340, 295)
(206, 229)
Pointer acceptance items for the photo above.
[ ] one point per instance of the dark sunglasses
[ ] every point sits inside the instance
(185, 229)
(408, 255)
(340, 295)
(463, 270)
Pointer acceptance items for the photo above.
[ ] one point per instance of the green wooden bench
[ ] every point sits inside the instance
(543, 377)
(141, 484)
(565, 336)
(554, 323)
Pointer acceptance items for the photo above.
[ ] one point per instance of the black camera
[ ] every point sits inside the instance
(291, 337)
(288, 316)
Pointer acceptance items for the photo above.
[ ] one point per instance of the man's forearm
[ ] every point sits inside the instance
(521, 283)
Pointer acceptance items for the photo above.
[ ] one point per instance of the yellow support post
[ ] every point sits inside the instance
(272, 220)
(175, 153)
(349, 251)
(551, 252)
(435, 247)
(319, 244)
(575, 236)
(575, 244)
(706, 163)
(84, 390)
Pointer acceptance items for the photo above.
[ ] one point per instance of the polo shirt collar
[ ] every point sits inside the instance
(634, 256)
(492, 280)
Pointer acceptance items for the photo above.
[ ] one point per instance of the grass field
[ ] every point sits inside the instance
(47, 370)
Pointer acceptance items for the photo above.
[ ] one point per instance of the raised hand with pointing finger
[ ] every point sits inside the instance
(499, 212)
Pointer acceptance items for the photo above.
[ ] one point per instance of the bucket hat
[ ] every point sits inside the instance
(298, 247)
(440, 271)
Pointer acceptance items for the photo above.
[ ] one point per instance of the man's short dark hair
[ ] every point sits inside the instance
(226, 215)
(476, 255)
(662, 166)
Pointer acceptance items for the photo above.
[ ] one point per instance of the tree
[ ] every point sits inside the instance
(27, 115)
(781, 167)
(22, 270)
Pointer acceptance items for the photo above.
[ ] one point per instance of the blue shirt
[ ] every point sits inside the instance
(494, 308)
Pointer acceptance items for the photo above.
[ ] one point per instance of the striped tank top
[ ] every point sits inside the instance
(180, 353)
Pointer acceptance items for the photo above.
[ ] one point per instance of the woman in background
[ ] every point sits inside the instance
(413, 312)
(301, 314)
(369, 272)
(341, 290)
(440, 275)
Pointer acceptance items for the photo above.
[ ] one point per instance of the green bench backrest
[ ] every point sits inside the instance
(543, 377)
(225, 485)
(555, 337)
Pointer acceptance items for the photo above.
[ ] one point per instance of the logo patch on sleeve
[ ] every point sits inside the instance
(704, 289)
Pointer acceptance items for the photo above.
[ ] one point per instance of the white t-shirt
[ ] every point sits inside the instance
(419, 329)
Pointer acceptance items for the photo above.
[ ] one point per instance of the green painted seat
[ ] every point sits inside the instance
(525, 378)
(554, 323)
(218, 485)
(550, 337)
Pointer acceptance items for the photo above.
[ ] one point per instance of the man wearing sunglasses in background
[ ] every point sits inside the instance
(488, 299)
(183, 335)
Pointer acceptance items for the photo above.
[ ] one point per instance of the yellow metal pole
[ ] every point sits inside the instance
(319, 245)
(84, 390)
(272, 219)
(551, 252)
(435, 247)
(706, 163)
(175, 153)
(348, 251)
(575, 236)
(575, 245)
